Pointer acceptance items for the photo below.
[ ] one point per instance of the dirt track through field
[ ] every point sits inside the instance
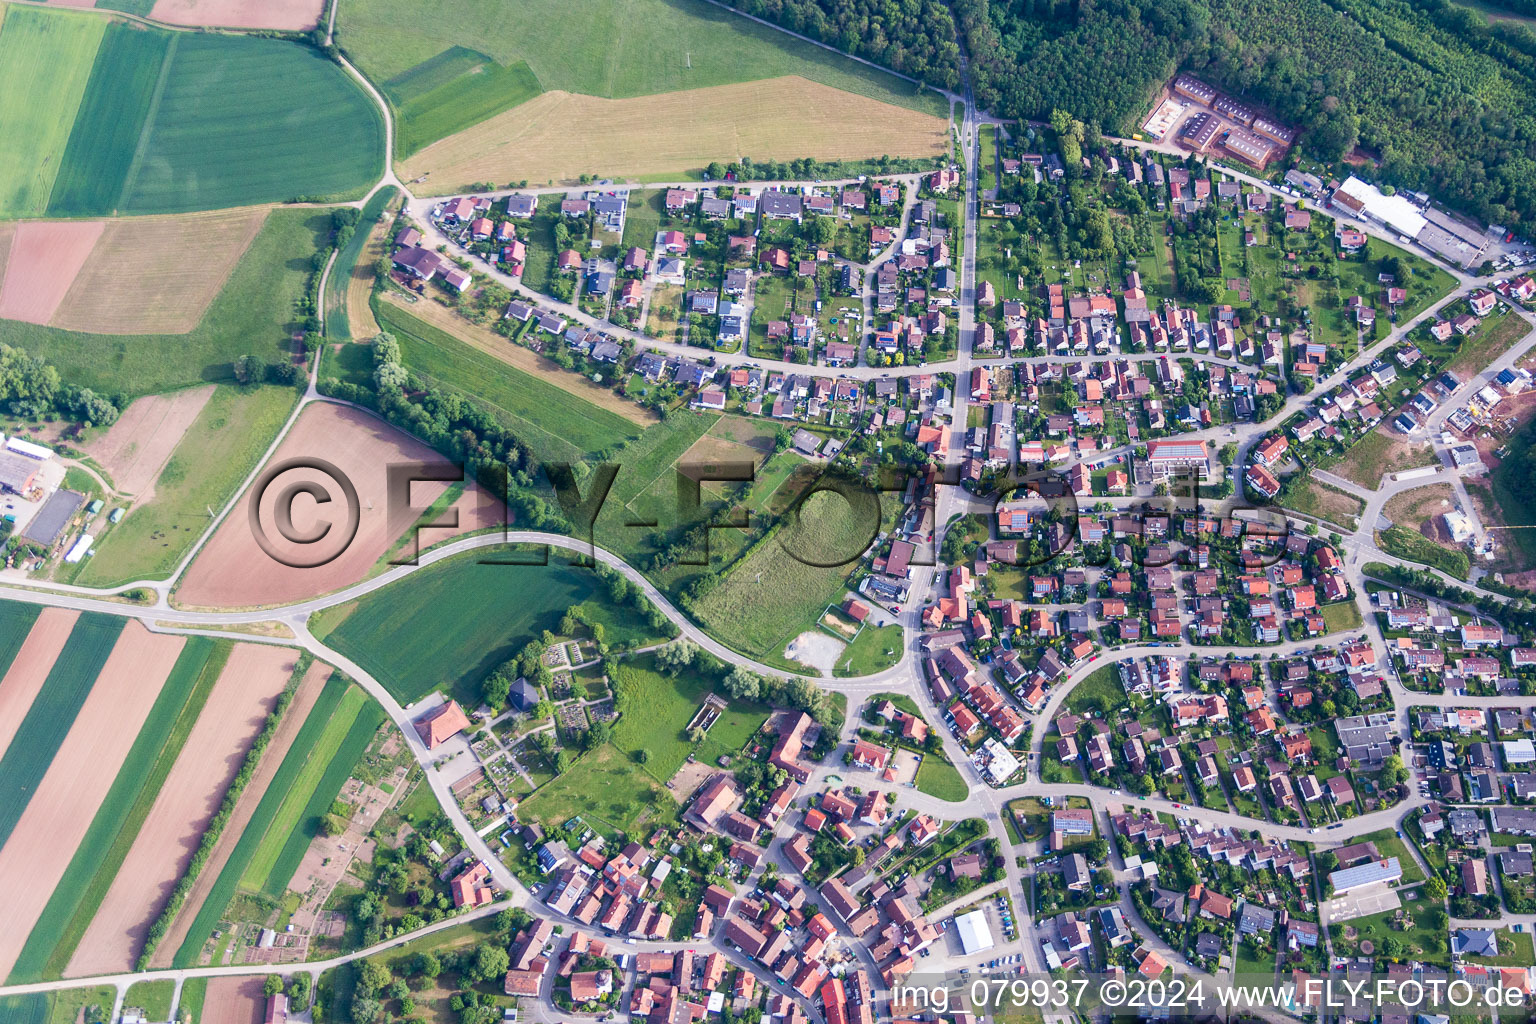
(293, 719)
(59, 813)
(559, 135)
(45, 257)
(287, 15)
(136, 448)
(157, 275)
(30, 669)
(232, 571)
(216, 747)
(234, 1001)
(515, 355)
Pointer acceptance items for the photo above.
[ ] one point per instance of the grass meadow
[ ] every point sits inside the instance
(64, 1007)
(442, 96)
(337, 327)
(657, 710)
(458, 619)
(53, 711)
(875, 649)
(222, 446)
(611, 48)
(45, 62)
(938, 778)
(781, 587)
(254, 314)
(153, 997)
(604, 788)
(90, 873)
(558, 426)
(228, 882)
(243, 120)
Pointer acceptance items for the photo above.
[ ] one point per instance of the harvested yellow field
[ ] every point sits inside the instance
(560, 136)
(157, 275)
(360, 285)
(493, 344)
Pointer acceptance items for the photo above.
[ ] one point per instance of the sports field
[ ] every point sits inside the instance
(45, 61)
(222, 446)
(604, 47)
(255, 312)
(675, 133)
(558, 426)
(90, 873)
(457, 619)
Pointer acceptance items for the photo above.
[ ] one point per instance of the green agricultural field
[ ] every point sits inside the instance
(657, 710)
(557, 425)
(65, 1007)
(111, 120)
(223, 445)
(225, 886)
(241, 120)
(614, 48)
(938, 778)
(153, 997)
(457, 619)
(453, 91)
(15, 620)
(337, 328)
(90, 873)
(29, 1009)
(780, 588)
(193, 992)
(298, 820)
(256, 313)
(875, 649)
(606, 790)
(53, 711)
(45, 62)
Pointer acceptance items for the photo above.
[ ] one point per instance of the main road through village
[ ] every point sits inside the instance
(984, 801)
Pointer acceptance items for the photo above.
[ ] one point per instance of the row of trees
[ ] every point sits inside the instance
(30, 387)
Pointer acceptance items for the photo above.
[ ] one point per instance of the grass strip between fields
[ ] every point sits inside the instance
(116, 825)
(289, 818)
(212, 910)
(53, 711)
(16, 621)
(337, 326)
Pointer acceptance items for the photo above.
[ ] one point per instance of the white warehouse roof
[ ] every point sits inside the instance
(974, 934)
(1396, 212)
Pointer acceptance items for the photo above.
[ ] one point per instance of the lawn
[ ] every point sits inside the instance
(642, 217)
(110, 121)
(90, 873)
(605, 789)
(462, 91)
(615, 48)
(223, 445)
(53, 711)
(1341, 616)
(45, 62)
(938, 778)
(875, 649)
(657, 710)
(297, 818)
(337, 327)
(1412, 547)
(1421, 942)
(255, 313)
(153, 997)
(558, 426)
(225, 886)
(241, 120)
(453, 622)
(1101, 691)
(779, 589)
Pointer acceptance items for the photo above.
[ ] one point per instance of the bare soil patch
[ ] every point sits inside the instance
(286, 15)
(491, 343)
(137, 446)
(235, 1001)
(7, 236)
(44, 260)
(1380, 453)
(233, 570)
(216, 747)
(304, 698)
(30, 668)
(774, 119)
(1420, 510)
(59, 813)
(157, 275)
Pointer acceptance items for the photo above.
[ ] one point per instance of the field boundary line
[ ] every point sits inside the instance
(150, 116)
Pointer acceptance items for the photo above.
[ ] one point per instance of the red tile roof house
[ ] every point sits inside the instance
(868, 755)
(441, 723)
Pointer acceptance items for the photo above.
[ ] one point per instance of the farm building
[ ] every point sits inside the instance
(17, 472)
(441, 724)
(51, 519)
